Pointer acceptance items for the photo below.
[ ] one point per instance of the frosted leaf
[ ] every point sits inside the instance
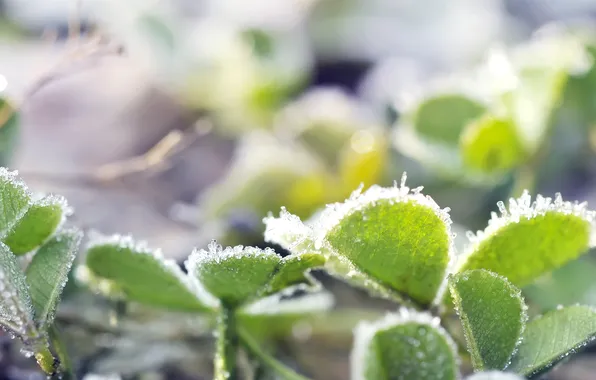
(288, 231)
(405, 345)
(38, 224)
(554, 337)
(144, 275)
(529, 238)
(311, 302)
(399, 238)
(48, 273)
(15, 200)
(16, 309)
(234, 275)
(494, 375)
(493, 316)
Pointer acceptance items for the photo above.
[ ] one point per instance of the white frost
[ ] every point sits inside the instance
(524, 208)
(495, 375)
(288, 231)
(365, 332)
(216, 253)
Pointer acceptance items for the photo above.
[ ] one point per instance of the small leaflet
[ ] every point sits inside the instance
(529, 238)
(38, 224)
(15, 200)
(493, 317)
(396, 236)
(144, 275)
(234, 275)
(406, 345)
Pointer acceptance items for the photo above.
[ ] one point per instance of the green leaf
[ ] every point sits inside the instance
(530, 238)
(9, 130)
(47, 274)
(443, 118)
(16, 309)
(15, 199)
(234, 275)
(493, 315)
(39, 222)
(571, 284)
(145, 276)
(494, 375)
(491, 145)
(293, 270)
(398, 238)
(405, 346)
(553, 337)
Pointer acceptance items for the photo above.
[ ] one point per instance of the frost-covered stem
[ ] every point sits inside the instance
(278, 367)
(226, 346)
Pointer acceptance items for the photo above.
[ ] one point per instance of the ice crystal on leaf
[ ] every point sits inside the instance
(529, 238)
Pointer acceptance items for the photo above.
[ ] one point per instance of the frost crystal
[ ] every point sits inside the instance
(494, 375)
(169, 265)
(365, 332)
(524, 208)
(215, 252)
(288, 231)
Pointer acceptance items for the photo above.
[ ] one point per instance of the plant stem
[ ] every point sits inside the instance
(278, 367)
(226, 346)
(65, 364)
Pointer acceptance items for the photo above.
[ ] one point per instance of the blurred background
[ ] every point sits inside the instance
(183, 121)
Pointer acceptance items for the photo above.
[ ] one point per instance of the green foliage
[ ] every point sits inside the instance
(530, 238)
(29, 301)
(553, 337)
(443, 118)
(389, 240)
(404, 346)
(143, 275)
(47, 274)
(493, 315)
(491, 145)
(38, 223)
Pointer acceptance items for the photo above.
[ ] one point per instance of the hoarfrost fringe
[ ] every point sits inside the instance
(524, 208)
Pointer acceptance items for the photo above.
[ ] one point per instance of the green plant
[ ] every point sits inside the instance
(394, 242)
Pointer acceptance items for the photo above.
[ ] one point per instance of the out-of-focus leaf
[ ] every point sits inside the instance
(9, 130)
(48, 272)
(493, 315)
(491, 145)
(443, 118)
(552, 337)
(404, 346)
(39, 223)
(143, 275)
(530, 238)
(571, 284)
(398, 238)
(363, 160)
